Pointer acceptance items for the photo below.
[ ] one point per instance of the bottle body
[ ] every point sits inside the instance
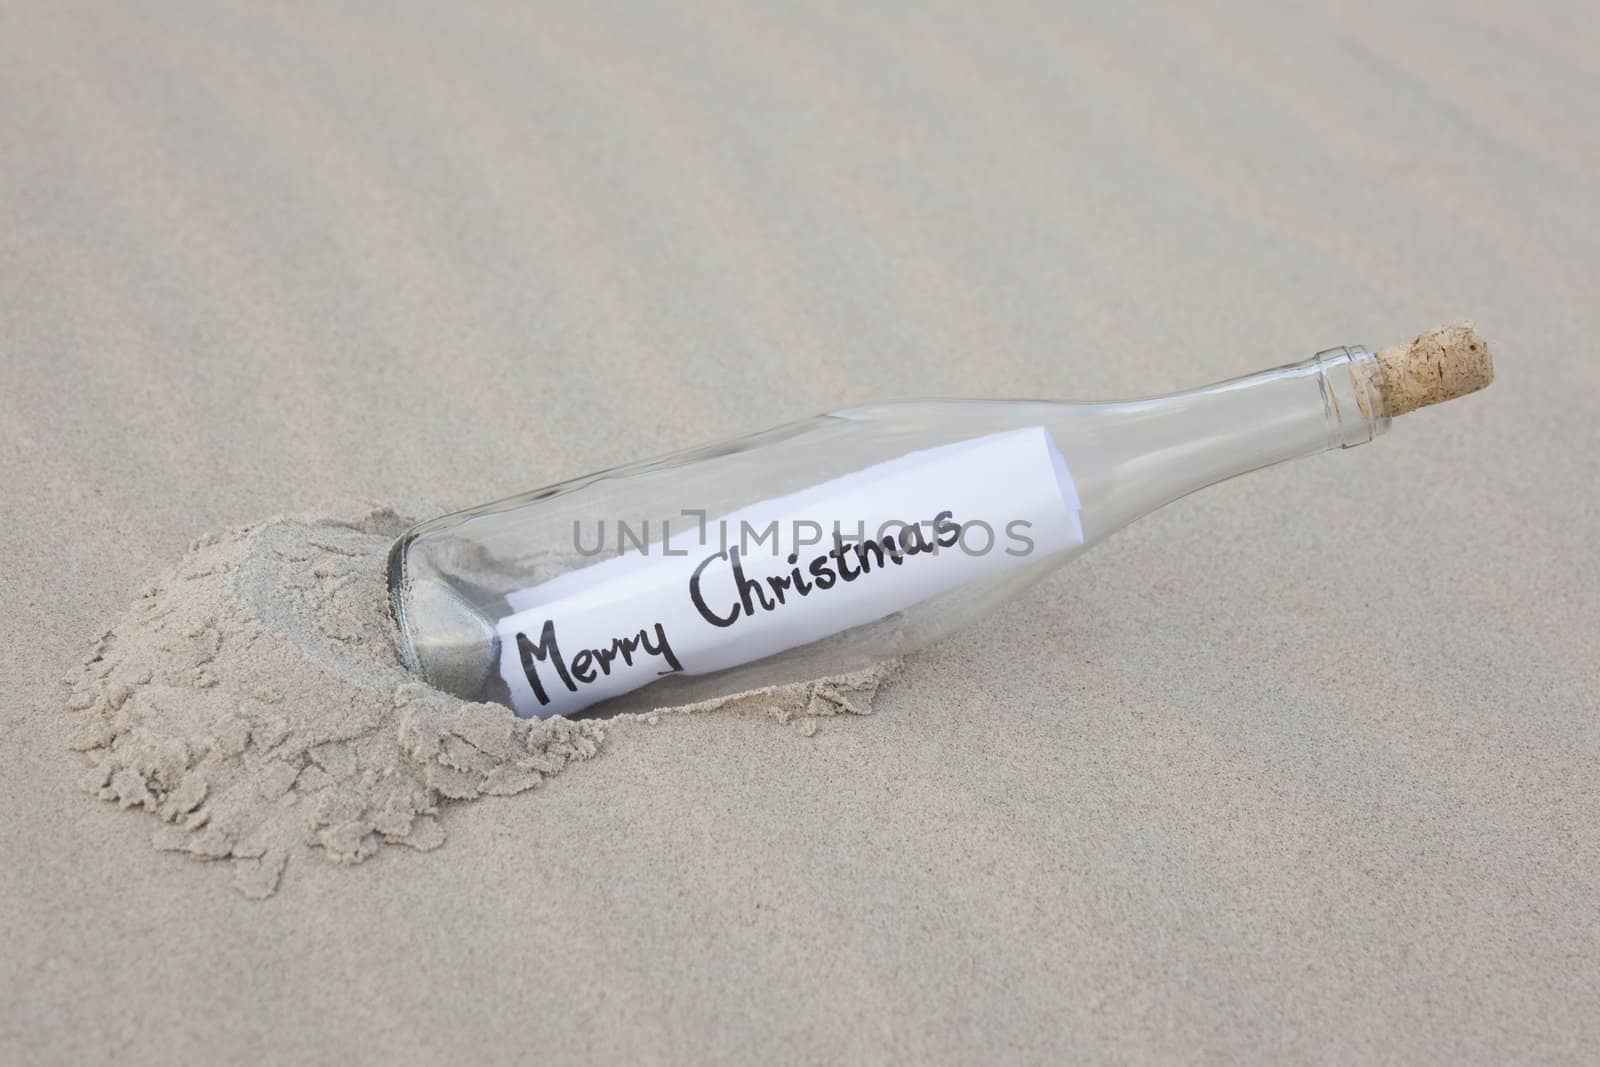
(477, 595)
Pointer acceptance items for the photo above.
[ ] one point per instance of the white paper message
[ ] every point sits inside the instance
(782, 573)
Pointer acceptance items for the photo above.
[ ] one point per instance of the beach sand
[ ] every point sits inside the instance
(1306, 766)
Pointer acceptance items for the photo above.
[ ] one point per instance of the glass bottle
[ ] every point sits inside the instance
(638, 586)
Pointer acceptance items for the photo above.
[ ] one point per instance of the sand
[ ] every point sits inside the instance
(1258, 779)
(253, 700)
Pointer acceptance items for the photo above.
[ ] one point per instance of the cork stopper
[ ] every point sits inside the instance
(1436, 366)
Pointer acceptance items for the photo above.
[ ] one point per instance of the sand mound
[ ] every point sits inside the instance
(253, 702)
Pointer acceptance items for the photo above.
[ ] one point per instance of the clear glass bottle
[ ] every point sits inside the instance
(455, 580)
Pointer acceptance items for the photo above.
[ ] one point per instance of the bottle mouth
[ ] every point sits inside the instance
(1352, 395)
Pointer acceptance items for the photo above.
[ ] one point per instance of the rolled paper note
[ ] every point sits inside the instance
(789, 571)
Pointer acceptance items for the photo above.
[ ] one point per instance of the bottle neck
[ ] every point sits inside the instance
(1332, 400)
(1160, 449)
